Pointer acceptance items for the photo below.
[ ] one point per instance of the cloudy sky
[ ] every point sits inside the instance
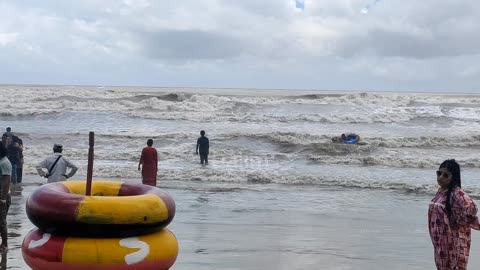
(398, 45)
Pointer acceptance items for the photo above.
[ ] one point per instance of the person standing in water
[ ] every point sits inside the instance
(203, 146)
(451, 216)
(149, 164)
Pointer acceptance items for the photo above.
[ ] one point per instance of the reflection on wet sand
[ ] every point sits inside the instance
(3, 262)
(18, 226)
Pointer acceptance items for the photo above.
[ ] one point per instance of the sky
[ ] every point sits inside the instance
(386, 45)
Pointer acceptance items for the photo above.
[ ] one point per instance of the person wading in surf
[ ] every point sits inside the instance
(149, 164)
(203, 146)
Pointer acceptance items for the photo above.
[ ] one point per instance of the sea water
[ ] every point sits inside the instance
(277, 194)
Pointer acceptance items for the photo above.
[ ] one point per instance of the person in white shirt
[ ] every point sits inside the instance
(56, 166)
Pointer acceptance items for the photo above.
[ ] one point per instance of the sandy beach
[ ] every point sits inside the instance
(280, 227)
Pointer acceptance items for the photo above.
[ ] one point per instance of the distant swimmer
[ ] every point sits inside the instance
(347, 138)
(56, 166)
(203, 146)
(149, 163)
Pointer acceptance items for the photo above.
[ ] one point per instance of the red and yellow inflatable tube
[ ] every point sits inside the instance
(115, 209)
(44, 251)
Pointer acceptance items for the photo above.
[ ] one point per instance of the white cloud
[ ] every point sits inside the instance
(8, 38)
(137, 3)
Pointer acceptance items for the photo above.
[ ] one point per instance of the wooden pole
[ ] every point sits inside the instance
(91, 140)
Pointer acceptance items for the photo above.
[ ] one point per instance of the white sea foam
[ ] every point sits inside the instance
(257, 137)
(384, 108)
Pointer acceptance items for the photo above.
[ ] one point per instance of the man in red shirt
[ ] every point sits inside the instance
(149, 162)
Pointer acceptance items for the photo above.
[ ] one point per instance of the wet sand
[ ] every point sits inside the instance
(226, 226)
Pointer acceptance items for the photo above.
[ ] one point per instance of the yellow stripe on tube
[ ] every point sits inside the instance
(99, 188)
(156, 246)
(140, 209)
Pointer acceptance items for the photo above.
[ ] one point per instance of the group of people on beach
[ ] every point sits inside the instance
(55, 167)
(11, 174)
(14, 146)
(11, 171)
(451, 214)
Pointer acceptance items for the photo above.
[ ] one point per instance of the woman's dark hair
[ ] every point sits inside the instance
(452, 167)
(149, 142)
(3, 150)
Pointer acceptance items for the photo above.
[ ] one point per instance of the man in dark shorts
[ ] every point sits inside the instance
(5, 178)
(202, 147)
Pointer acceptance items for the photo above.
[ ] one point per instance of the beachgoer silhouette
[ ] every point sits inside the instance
(203, 146)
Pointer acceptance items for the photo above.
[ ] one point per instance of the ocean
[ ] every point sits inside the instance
(277, 193)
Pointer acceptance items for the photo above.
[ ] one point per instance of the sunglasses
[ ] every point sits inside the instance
(444, 174)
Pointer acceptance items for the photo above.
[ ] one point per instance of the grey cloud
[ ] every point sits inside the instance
(428, 43)
(191, 45)
(429, 30)
(413, 30)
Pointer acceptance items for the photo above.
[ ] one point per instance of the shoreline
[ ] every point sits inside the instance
(247, 91)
